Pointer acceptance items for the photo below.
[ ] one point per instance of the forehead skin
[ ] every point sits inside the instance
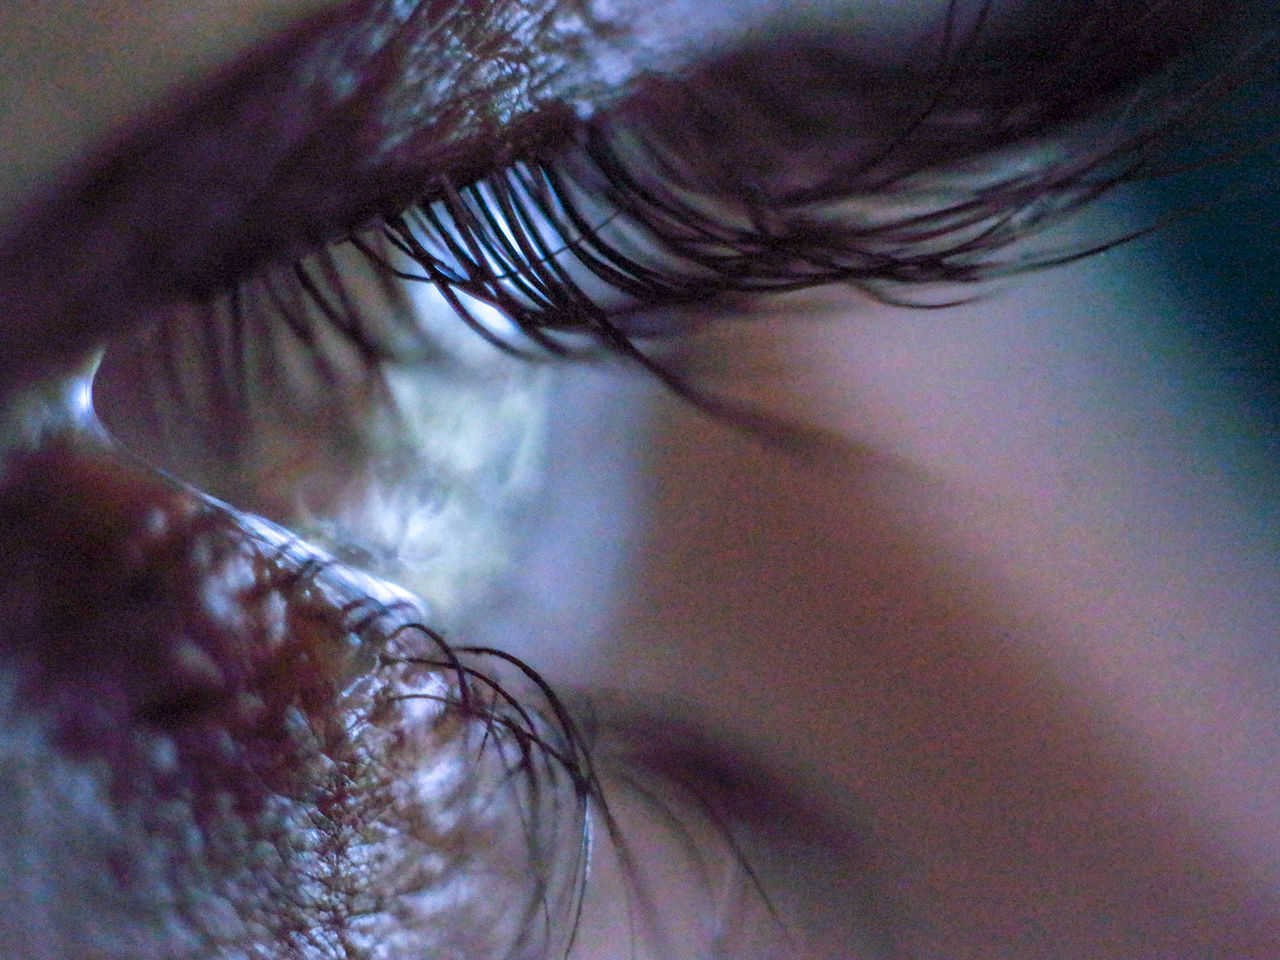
(74, 71)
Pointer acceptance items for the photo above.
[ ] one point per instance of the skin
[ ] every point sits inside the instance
(1007, 657)
(76, 75)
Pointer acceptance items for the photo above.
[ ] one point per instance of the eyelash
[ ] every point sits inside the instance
(588, 232)
(523, 241)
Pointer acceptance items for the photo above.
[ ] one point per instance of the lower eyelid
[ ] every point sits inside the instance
(466, 380)
(131, 395)
(238, 739)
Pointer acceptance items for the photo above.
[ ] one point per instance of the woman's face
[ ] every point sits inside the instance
(903, 632)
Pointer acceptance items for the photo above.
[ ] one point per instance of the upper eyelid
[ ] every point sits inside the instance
(169, 217)
(698, 253)
(264, 160)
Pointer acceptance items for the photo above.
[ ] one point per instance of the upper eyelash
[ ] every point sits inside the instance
(509, 239)
(523, 241)
(524, 238)
(962, 241)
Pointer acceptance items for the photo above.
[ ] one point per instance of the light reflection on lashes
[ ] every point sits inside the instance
(533, 244)
(601, 222)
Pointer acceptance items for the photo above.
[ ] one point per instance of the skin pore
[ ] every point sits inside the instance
(1000, 658)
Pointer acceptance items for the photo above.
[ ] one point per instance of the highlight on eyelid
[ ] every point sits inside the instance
(923, 182)
(335, 395)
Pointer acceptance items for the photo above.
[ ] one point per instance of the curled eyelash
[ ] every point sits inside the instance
(525, 754)
(610, 218)
(537, 747)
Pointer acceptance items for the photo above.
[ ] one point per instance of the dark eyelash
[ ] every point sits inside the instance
(607, 209)
(548, 748)
(523, 241)
(495, 708)
(599, 221)
(505, 240)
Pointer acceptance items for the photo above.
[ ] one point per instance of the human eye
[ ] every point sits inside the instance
(303, 769)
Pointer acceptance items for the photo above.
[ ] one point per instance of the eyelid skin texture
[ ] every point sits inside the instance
(215, 742)
(347, 121)
(309, 135)
(73, 71)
